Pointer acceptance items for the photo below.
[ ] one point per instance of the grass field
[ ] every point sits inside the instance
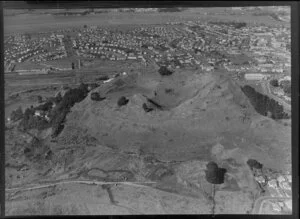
(61, 63)
(28, 66)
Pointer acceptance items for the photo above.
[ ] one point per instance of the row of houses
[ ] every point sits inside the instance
(20, 49)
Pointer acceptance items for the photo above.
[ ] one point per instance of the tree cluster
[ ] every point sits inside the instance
(214, 174)
(57, 114)
(45, 107)
(263, 104)
(146, 108)
(286, 86)
(169, 90)
(39, 99)
(16, 114)
(164, 71)
(122, 101)
(96, 97)
(254, 164)
(93, 86)
(274, 83)
(30, 121)
(102, 78)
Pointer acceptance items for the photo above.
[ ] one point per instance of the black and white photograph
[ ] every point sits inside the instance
(148, 110)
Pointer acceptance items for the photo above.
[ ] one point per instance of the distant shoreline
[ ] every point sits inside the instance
(46, 22)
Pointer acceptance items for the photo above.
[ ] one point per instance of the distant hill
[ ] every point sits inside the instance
(199, 110)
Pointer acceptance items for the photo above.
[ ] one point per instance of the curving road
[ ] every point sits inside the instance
(257, 209)
(89, 182)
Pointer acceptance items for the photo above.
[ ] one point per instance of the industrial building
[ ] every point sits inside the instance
(256, 76)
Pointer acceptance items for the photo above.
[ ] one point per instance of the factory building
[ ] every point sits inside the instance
(255, 76)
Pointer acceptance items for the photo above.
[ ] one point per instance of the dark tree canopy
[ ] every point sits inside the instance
(287, 90)
(28, 113)
(164, 71)
(254, 164)
(27, 150)
(49, 155)
(154, 103)
(146, 108)
(286, 86)
(58, 98)
(102, 78)
(274, 83)
(264, 104)
(45, 107)
(122, 101)
(214, 174)
(57, 114)
(16, 114)
(93, 86)
(211, 166)
(39, 99)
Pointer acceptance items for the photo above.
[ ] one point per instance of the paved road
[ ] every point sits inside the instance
(61, 78)
(257, 209)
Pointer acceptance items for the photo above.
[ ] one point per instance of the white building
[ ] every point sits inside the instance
(255, 76)
(108, 80)
(285, 78)
(39, 113)
(280, 179)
